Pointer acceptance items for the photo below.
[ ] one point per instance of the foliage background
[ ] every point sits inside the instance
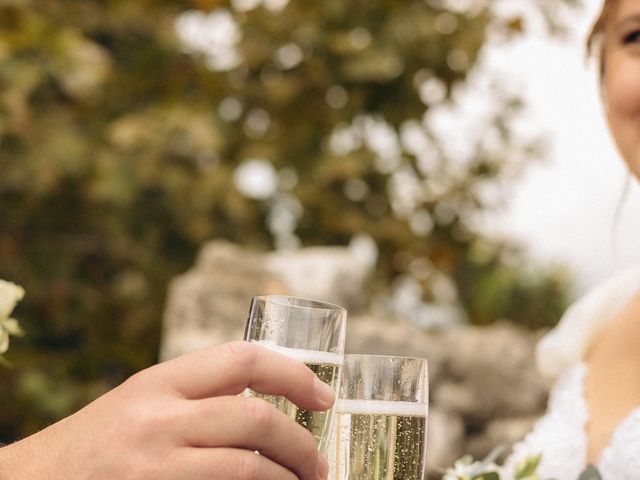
(121, 149)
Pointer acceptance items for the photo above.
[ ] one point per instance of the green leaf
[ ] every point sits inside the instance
(487, 476)
(590, 473)
(527, 467)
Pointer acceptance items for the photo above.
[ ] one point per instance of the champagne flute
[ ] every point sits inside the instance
(381, 419)
(310, 331)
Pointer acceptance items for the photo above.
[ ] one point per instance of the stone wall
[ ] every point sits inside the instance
(209, 303)
(484, 388)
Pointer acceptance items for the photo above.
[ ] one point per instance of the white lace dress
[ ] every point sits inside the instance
(560, 435)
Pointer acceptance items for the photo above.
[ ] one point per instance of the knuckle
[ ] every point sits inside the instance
(148, 424)
(242, 353)
(248, 466)
(144, 422)
(309, 449)
(140, 382)
(260, 414)
(137, 381)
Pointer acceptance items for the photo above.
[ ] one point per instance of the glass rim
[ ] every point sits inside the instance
(305, 303)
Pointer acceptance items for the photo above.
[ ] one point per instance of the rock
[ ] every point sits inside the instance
(485, 391)
(382, 335)
(208, 304)
(330, 274)
(500, 432)
(496, 364)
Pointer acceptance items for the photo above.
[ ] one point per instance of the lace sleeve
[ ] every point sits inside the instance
(558, 435)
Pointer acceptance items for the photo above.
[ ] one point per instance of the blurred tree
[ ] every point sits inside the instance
(126, 142)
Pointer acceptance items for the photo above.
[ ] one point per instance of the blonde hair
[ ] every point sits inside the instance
(595, 39)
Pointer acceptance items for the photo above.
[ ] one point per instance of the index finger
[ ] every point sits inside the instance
(230, 368)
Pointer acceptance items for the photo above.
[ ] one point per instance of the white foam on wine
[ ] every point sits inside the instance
(381, 407)
(304, 356)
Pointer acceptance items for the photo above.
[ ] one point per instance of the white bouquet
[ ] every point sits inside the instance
(10, 295)
(467, 468)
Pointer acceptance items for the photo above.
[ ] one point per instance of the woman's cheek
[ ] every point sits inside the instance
(622, 97)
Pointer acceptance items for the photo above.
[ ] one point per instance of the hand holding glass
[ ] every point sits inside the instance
(310, 331)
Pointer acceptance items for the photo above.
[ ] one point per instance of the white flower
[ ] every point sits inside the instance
(10, 295)
(466, 469)
(462, 469)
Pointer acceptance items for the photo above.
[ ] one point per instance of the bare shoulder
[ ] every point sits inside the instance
(612, 387)
(614, 358)
(621, 336)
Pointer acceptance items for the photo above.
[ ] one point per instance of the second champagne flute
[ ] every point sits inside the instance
(310, 331)
(381, 419)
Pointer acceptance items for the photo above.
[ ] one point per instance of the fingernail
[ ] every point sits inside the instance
(323, 467)
(324, 392)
